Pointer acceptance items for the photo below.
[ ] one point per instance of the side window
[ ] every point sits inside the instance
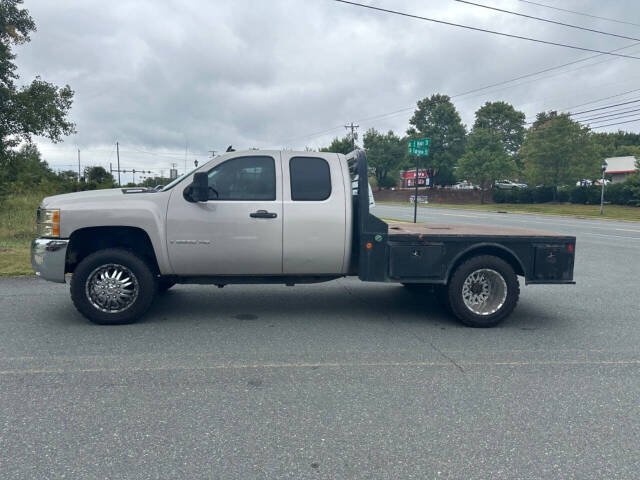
(310, 179)
(243, 178)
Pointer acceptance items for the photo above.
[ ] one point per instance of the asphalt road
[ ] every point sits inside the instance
(341, 380)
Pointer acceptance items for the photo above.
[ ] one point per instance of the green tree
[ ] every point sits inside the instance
(99, 176)
(154, 181)
(340, 145)
(437, 118)
(505, 120)
(385, 155)
(559, 151)
(39, 108)
(485, 160)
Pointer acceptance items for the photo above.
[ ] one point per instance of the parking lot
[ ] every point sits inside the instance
(336, 380)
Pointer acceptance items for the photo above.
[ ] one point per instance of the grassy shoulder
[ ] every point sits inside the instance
(17, 228)
(611, 212)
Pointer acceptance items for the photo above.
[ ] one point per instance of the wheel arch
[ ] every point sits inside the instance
(493, 249)
(85, 241)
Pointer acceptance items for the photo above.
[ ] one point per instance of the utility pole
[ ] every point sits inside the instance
(118, 150)
(213, 153)
(415, 198)
(78, 165)
(352, 126)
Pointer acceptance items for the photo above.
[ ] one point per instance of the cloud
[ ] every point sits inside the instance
(167, 77)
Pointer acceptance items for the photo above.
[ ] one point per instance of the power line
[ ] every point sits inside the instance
(605, 107)
(616, 111)
(572, 114)
(580, 13)
(616, 116)
(468, 27)
(486, 87)
(546, 20)
(618, 123)
(604, 98)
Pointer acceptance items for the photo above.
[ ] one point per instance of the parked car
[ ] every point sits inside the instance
(508, 184)
(464, 185)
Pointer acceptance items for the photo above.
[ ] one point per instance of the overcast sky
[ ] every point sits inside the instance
(165, 77)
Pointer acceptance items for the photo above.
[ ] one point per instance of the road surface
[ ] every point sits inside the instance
(342, 380)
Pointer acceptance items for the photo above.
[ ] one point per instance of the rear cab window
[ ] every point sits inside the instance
(310, 179)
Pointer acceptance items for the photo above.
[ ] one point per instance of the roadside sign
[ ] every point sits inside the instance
(420, 152)
(420, 143)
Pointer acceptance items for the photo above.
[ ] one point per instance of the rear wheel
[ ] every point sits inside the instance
(483, 291)
(112, 286)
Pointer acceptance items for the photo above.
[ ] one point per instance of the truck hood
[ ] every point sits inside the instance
(107, 195)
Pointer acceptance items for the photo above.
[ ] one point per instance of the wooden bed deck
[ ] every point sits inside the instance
(438, 229)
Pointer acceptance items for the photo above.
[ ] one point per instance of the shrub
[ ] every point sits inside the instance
(585, 195)
(563, 195)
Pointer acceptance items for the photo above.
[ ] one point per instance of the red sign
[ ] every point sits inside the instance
(412, 174)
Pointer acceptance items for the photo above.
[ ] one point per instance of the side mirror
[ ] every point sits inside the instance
(199, 188)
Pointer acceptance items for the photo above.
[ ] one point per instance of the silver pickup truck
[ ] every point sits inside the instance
(278, 217)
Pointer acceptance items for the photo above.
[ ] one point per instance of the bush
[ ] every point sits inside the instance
(618, 194)
(563, 195)
(627, 193)
(585, 195)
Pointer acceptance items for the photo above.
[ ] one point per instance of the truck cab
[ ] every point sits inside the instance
(262, 216)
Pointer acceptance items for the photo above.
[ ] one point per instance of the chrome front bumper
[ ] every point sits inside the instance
(48, 258)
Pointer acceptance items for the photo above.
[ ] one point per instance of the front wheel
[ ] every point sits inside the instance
(113, 286)
(483, 291)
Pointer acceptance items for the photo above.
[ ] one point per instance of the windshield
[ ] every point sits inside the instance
(177, 180)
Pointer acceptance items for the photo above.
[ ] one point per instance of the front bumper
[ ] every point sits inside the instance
(48, 258)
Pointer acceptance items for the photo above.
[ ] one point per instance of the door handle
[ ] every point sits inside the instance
(263, 214)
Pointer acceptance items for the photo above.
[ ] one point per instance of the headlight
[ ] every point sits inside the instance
(48, 222)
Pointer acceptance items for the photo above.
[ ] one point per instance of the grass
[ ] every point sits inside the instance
(611, 212)
(17, 228)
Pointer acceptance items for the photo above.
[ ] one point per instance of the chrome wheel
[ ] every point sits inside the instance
(484, 291)
(112, 288)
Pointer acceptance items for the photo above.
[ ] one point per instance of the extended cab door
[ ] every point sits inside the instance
(317, 217)
(238, 231)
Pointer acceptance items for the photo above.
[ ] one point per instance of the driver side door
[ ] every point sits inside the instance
(238, 231)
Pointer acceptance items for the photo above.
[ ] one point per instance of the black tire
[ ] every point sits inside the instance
(496, 282)
(87, 274)
(164, 285)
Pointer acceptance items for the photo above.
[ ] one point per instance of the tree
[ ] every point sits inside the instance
(39, 108)
(154, 182)
(25, 166)
(505, 120)
(485, 160)
(559, 151)
(436, 118)
(99, 176)
(340, 145)
(385, 155)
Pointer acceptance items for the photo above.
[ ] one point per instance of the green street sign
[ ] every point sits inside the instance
(420, 143)
(419, 152)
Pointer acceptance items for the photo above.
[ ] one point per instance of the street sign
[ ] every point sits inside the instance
(420, 143)
(420, 152)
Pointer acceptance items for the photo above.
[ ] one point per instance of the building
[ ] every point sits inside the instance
(407, 178)
(619, 168)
